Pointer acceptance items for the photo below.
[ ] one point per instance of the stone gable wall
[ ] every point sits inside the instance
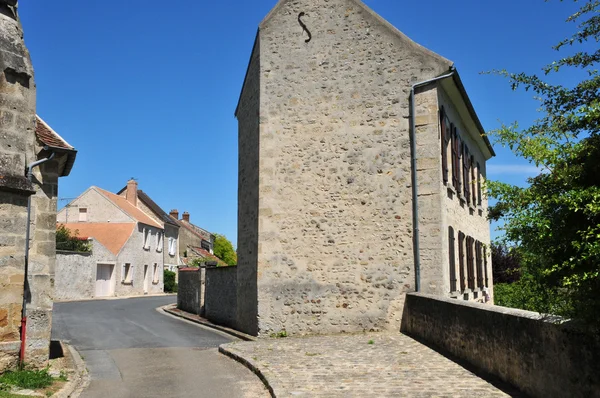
(334, 208)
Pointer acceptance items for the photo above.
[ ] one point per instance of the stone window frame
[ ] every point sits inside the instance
(146, 238)
(155, 275)
(159, 241)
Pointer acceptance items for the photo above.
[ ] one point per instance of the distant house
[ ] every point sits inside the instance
(193, 240)
(127, 248)
(171, 227)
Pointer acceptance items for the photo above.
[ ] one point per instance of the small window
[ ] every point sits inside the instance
(159, 242)
(452, 259)
(127, 274)
(146, 238)
(172, 246)
(205, 245)
(155, 274)
(82, 214)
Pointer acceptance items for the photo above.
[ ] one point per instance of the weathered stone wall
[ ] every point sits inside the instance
(248, 193)
(42, 260)
(189, 290)
(17, 140)
(220, 296)
(335, 221)
(75, 276)
(539, 357)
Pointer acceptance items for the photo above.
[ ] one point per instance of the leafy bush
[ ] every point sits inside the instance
(26, 378)
(170, 285)
(68, 240)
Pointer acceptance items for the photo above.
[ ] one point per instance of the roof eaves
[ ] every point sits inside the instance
(463, 92)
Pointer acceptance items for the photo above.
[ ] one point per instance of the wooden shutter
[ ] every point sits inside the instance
(452, 258)
(473, 181)
(465, 164)
(470, 269)
(454, 155)
(444, 146)
(478, 184)
(461, 260)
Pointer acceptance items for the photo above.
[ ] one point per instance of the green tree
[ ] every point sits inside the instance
(553, 225)
(170, 286)
(224, 250)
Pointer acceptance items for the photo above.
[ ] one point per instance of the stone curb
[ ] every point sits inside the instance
(171, 309)
(79, 378)
(250, 364)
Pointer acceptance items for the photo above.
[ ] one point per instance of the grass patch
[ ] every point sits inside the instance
(4, 394)
(29, 379)
(371, 342)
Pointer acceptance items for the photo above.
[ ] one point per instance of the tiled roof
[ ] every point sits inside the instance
(113, 236)
(130, 209)
(163, 215)
(48, 136)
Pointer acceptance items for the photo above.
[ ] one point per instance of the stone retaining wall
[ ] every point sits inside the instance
(220, 299)
(540, 357)
(189, 290)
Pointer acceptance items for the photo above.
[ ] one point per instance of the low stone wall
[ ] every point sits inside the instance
(541, 358)
(189, 290)
(74, 276)
(220, 298)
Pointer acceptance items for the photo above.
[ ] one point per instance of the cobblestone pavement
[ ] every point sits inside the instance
(361, 365)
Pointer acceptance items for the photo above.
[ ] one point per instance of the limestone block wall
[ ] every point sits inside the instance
(540, 357)
(220, 295)
(248, 115)
(42, 261)
(189, 290)
(75, 275)
(334, 229)
(17, 140)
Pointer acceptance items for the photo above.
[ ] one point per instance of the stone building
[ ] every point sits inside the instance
(127, 253)
(327, 240)
(24, 143)
(194, 241)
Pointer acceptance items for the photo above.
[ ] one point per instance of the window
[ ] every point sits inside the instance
(485, 265)
(205, 245)
(155, 275)
(479, 263)
(455, 169)
(445, 136)
(83, 214)
(466, 169)
(127, 274)
(159, 242)
(172, 246)
(473, 180)
(461, 260)
(478, 184)
(452, 258)
(470, 265)
(146, 238)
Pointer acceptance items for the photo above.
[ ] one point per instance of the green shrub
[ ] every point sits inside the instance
(170, 285)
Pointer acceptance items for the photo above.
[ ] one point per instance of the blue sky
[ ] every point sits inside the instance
(147, 88)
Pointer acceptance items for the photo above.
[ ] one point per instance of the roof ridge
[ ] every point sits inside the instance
(54, 132)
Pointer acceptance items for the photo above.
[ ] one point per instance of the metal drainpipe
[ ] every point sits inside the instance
(26, 283)
(415, 188)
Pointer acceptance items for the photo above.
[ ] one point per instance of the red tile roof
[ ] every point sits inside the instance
(206, 254)
(48, 136)
(113, 236)
(130, 209)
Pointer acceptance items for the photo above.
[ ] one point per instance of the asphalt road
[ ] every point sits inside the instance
(132, 350)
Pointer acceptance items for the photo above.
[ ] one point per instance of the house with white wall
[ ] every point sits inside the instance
(127, 248)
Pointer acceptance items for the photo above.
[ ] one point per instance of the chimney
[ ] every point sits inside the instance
(131, 193)
(186, 216)
(175, 214)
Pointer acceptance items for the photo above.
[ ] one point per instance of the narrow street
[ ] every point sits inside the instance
(132, 350)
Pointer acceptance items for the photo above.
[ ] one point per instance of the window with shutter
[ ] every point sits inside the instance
(461, 260)
(452, 258)
(473, 182)
(456, 160)
(444, 145)
(465, 164)
(478, 184)
(470, 268)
